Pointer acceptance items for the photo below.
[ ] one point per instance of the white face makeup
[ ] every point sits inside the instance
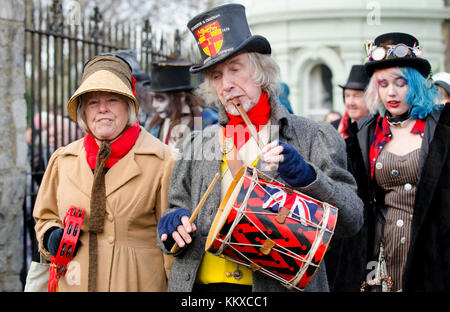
(161, 104)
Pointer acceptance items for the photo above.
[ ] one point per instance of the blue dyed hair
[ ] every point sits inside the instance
(421, 96)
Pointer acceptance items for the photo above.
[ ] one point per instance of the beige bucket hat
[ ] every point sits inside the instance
(104, 73)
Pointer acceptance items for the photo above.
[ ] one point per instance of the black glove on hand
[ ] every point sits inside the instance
(52, 240)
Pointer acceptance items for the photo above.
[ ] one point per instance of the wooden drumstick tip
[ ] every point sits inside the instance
(236, 101)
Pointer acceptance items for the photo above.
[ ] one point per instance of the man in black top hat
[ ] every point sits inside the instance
(297, 151)
(355, 104)
(341, 251)
(176, 106)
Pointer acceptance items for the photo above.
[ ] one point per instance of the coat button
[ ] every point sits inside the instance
(237, 274)
(110, 218)
(379, 165)
(110, 239)
(408, 187)
(399, 223)
(403, 240)
(394, 172)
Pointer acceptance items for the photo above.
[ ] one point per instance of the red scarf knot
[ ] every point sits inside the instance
(119, 147)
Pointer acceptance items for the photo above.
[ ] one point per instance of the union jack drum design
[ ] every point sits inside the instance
(287, 245)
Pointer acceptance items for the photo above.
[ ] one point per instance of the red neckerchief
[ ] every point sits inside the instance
(343, 125)
(119, 147)
(259, 115)
(383, 135)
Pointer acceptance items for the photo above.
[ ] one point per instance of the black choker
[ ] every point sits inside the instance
(397, 120)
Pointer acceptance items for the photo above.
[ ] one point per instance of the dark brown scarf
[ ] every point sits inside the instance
(98, 211)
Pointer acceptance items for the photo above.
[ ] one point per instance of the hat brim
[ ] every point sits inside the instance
(354, 86)
(443, 84)
(101, 80)
(254, 43)
(421, 64)
(175, 89)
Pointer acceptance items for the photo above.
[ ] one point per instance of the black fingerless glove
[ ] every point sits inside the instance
(52, 240)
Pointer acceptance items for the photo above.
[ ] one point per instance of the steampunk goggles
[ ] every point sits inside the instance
(378, 53)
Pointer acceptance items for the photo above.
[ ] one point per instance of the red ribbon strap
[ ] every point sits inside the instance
(133, 85)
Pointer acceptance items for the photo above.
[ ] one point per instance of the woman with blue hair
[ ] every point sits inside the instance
(400, 160)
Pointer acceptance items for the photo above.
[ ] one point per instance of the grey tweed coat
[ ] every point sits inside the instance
(200, 159)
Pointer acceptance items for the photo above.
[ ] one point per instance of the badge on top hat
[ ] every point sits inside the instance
(396, 49)
(222, 32)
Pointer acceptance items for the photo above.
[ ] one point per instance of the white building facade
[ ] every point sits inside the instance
(317, 42)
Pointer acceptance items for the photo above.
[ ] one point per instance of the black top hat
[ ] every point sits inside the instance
(400, 49)
(223, 32)
(171, 75)
(357, 79)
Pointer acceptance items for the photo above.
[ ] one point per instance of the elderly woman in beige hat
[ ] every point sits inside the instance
(119, 174)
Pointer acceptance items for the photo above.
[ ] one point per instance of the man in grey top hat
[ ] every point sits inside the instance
(296, 151)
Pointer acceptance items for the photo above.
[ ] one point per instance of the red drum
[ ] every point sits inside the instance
(287, 245)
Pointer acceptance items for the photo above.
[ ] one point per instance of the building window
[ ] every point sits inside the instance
(319, 91)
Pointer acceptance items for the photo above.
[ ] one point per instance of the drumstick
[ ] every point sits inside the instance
(175, 246)
(247, 121)
(249, 124)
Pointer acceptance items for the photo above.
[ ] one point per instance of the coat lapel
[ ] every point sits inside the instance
(122, 172)
(127, 168)
(81, 175)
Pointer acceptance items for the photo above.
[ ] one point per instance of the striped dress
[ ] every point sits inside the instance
(397, 176)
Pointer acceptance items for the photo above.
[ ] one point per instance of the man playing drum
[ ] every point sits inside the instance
(307, 156)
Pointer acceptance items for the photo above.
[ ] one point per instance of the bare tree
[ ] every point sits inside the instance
(164, 13)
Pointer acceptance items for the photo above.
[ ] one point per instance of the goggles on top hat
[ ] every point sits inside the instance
(378, 53)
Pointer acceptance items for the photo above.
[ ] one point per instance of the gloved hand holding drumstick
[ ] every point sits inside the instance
(179, 224)
(291, 166)
(280, 156)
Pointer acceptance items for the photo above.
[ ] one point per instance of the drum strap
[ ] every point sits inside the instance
(233, 161)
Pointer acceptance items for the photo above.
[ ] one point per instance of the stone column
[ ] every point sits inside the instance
(13, 146)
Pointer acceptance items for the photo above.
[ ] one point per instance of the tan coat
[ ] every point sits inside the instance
(136, 196)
